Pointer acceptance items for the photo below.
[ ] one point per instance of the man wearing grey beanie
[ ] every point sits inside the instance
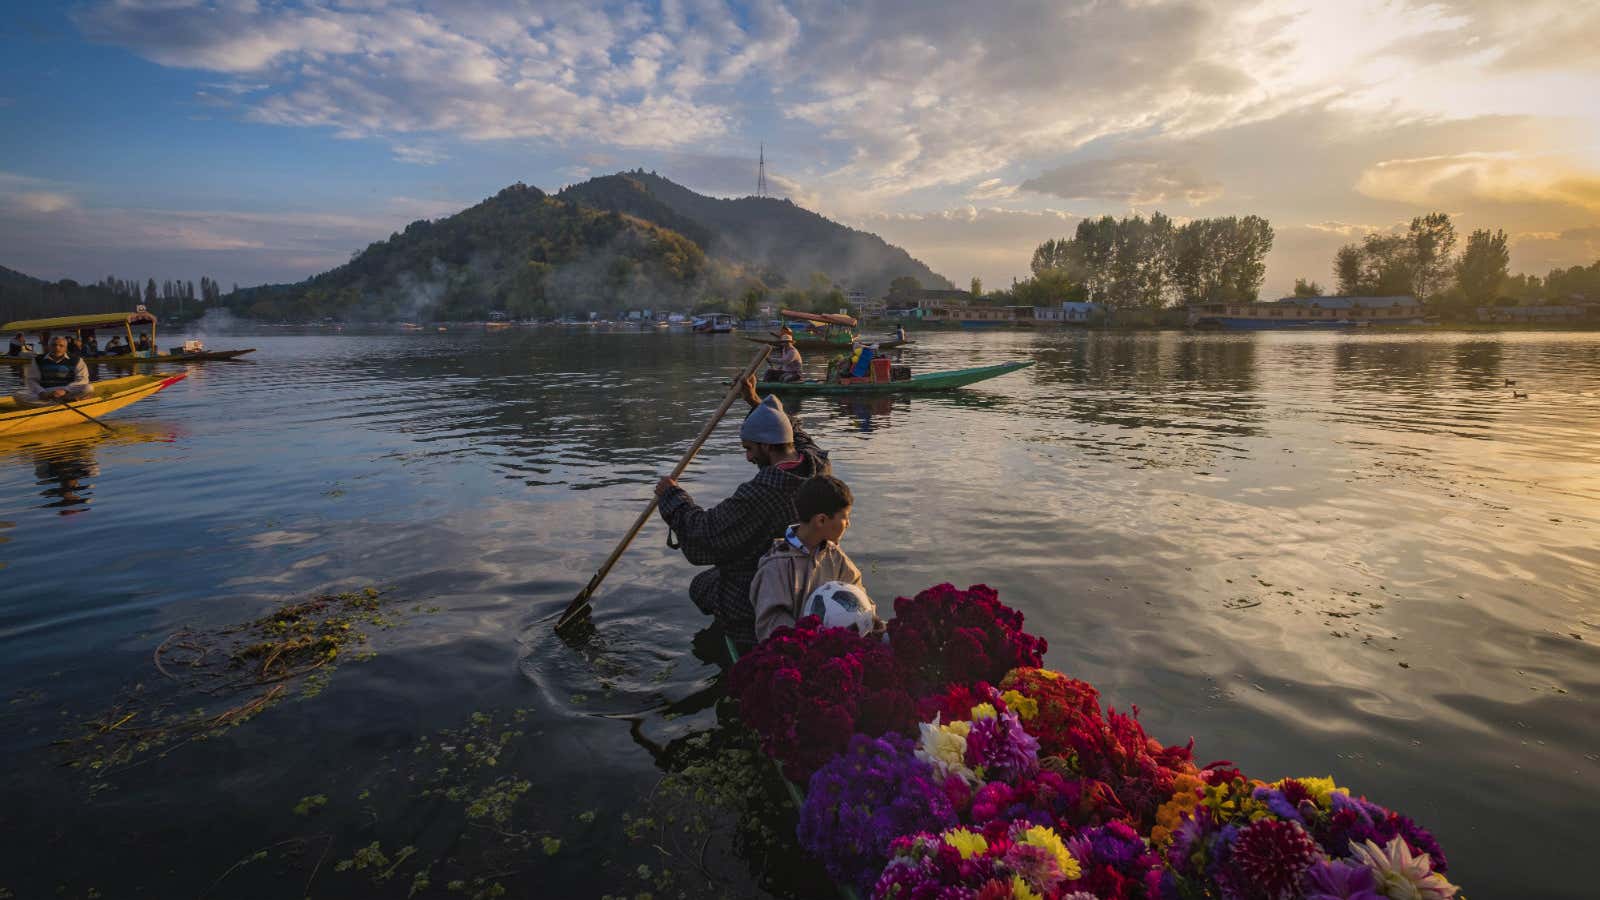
(732, 536)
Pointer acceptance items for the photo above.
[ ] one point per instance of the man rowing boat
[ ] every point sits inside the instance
(54, 377)
(732, 536)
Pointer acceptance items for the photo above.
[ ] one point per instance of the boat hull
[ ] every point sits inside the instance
(134, 360)
(932, 381)
(108, 397)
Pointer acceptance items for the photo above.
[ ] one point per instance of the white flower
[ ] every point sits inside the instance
(1400, 875)
(945, 748)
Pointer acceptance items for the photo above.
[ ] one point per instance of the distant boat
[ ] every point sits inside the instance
(931, 381)
(716, 323)
(410, 326)
(192, 351)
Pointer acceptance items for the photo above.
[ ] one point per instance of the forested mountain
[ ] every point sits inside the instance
(627, 241)
(785, 243)
(521, 251)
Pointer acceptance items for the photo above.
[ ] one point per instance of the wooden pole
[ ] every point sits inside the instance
(68, 405)
(578, 609)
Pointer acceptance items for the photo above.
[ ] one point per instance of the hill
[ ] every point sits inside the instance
(520, 251)
(773, 237)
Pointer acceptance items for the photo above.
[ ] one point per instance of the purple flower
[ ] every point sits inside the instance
(1338, 880)
(863, 799)
(1002, 748)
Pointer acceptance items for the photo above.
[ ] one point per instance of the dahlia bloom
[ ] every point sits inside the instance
(1401, 876)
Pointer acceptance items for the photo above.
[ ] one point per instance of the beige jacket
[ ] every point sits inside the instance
(787, 575)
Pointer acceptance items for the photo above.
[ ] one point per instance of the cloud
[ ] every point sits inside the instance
(1454, 180)
(1131, 180)
(43, 201)
(1512, 35)
(481, 71)
(960, 242)
(230, 245)
(419, 156)
(991, 189)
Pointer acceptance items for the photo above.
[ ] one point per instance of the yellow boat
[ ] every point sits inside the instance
(107, 396)
(124, 320)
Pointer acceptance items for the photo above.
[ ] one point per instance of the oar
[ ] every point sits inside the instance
(579, 607)
(68, 405)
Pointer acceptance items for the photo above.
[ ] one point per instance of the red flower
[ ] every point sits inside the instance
(807, 689)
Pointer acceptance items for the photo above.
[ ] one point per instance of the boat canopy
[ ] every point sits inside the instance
(826, 318)
(63, 323)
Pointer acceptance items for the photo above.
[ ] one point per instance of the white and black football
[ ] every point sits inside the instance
(842, 605)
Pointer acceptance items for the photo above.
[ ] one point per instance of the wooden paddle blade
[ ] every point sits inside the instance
(576, 612)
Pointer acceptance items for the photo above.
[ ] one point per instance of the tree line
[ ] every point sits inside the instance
(1421, 262)
(24, 297)
(1135, 262)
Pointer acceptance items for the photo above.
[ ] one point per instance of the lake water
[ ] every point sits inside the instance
(1339, 554)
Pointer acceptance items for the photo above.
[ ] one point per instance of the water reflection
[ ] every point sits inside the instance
(65, 459)
(1244, 534)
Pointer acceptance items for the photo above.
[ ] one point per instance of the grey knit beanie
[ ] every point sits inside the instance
(767, 424)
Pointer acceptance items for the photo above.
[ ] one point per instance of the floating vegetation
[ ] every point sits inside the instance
(213, 681)
(468, 847)
(721, 801)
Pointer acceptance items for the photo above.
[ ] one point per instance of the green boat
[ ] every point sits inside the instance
(932, 381)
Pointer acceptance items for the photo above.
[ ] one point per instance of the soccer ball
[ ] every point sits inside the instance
(841, 605)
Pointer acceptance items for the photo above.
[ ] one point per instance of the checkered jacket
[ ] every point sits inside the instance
(733, 535)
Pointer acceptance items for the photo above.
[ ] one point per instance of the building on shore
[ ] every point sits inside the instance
(1307, 312)
(1528, 314)
(1070, 312)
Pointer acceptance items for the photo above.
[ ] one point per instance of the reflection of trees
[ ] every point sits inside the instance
(555, 405)
(1478, 364)
(1165, 381)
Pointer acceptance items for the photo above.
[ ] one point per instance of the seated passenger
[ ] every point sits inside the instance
(143, 343)
(19, 346)
(787, 366)
(54, 377)
(115, 347)
(91, 345)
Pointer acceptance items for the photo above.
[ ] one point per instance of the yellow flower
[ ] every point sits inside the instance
(967, 843)
(1025, 707)
(961, 728)
(984, 711)
(1321, 789)
(1021, 891)
(1046, 839)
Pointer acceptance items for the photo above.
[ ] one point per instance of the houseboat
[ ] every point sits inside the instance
(1306, 312)
(716, 323)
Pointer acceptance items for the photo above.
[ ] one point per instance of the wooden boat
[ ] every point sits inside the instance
(931, 381)
(123, 320)
(107, 396)
(156, 357)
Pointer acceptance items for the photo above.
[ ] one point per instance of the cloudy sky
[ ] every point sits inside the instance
(254, 140)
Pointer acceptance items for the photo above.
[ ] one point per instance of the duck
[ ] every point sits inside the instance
(1518, 395)
(1511, 382)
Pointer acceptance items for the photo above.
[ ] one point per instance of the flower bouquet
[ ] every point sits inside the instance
(1016, 786)
(944, 636)
(865, 797)
(807, 689)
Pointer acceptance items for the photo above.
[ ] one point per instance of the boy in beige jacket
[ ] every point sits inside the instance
(806, 557)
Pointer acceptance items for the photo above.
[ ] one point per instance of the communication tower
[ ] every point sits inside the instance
(761, 172)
